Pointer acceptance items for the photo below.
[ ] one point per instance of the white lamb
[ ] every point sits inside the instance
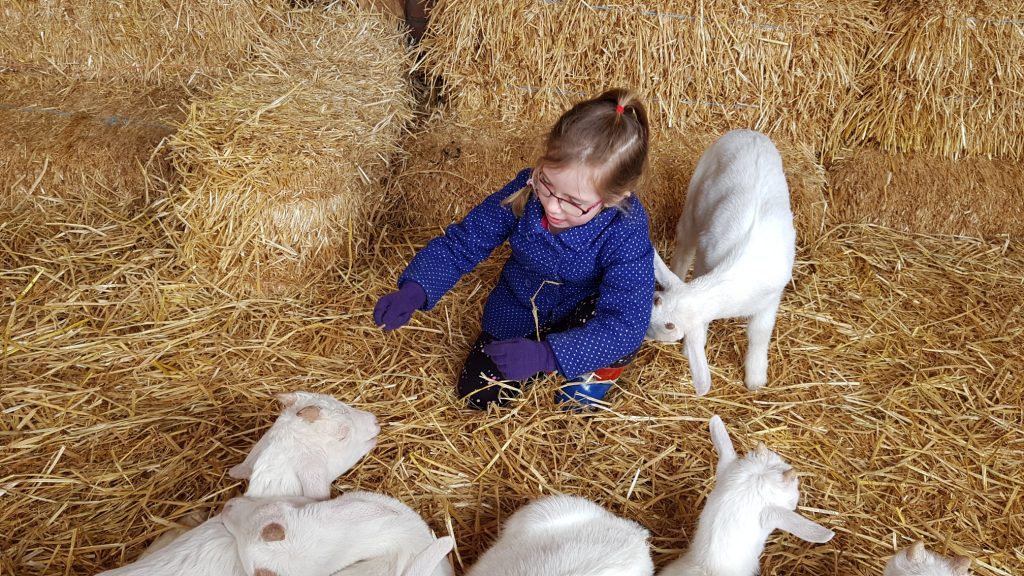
(916, 560)
(753, 496)
(737, 230)
(559, 535)
(315, 439)
(356, 534)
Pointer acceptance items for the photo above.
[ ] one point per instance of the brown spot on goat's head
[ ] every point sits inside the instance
(272, 532)
(309, 413)
(657, 300)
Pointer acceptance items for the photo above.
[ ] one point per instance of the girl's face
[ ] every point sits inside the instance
(567, 195)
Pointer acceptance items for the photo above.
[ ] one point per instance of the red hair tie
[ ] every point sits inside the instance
(619, 109)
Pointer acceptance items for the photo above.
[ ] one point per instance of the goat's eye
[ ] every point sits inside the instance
(670, 326)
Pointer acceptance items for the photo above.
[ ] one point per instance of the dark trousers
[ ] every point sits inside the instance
(480, 382)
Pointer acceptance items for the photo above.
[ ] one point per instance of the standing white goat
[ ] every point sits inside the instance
(753, 496)
(356, 534)
(737, 231)
(558, 535)
(916, 560)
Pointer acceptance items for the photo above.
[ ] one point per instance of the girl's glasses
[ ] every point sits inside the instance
(568, 206)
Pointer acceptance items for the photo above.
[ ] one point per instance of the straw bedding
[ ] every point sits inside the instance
(783, 68)
(944, 77)
(131, 384)
(924, 193)
(130, 388)
(282, 165)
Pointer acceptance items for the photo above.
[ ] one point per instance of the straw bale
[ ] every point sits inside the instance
(282, 166)
(944, 77)
(133, 41)
(780, 67)
(452, 166)
(71, 142)
(925, 193)
(130, 388)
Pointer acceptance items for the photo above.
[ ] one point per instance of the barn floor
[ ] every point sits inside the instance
(130, 386)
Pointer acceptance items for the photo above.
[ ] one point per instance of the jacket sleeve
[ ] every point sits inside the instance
(447, 258)
(623, 309)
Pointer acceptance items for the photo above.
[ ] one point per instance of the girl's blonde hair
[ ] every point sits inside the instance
(607, 134)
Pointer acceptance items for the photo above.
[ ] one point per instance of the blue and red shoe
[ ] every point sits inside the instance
(588, 390)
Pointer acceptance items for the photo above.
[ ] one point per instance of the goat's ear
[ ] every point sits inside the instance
(359, 510)
(807, 530)
(287, 399)
(241, 471)
(426, 561)
(699, 369)
(272, 532)
(916, 551)
(722, 443)
(663, 274)
(961, 565)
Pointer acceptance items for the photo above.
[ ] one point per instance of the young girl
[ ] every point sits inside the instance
(581, 255)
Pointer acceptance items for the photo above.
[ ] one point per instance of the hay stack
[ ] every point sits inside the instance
(924, 193)
(782, 68)
(282, 167)
(71, 142)
(134, 41)
(944, 77)
(452, 166)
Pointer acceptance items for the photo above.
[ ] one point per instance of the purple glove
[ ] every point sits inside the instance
(394, 310)
(520, 358)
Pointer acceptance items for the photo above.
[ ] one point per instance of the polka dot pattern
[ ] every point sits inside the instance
(611, 255)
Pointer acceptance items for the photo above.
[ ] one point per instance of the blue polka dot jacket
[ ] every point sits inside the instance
(610, 255)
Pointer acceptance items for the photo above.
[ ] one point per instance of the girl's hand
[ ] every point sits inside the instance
(394, 310)
(521, 358)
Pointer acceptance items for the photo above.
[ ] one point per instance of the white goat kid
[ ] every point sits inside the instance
(314, 440)
(206, 550)
(916, 560)
(558, 535)
(737, 230)
(356, 534)
(753, 496)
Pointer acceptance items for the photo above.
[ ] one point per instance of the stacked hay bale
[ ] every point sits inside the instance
(133, 42)
(943, 82)
(282, 166)
(452, 166)
(701, 69)
(91, 88)
(781, 68)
